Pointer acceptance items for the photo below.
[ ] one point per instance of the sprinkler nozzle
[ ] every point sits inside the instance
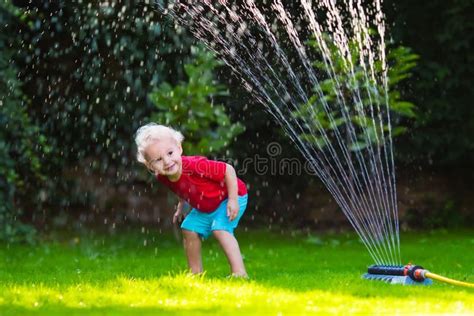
(416, 273)
(408, 274)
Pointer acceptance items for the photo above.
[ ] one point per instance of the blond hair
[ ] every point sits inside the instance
(152, 132)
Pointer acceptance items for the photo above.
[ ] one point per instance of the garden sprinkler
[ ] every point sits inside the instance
(408, 274)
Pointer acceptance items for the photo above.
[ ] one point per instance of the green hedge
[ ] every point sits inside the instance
(22, 149)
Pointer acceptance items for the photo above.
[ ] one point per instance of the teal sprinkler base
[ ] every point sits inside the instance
(396, 275)
(395, 279)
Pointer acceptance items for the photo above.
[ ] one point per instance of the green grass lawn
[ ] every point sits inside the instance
(144, 273)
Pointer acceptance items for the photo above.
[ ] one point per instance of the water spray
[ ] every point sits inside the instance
(346, 136)
(408, 274)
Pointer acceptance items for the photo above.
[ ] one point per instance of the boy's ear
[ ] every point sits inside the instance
(180, 148)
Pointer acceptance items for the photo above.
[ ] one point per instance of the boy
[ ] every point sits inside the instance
(212, 188)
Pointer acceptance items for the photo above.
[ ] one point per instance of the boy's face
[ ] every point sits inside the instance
(164, 157)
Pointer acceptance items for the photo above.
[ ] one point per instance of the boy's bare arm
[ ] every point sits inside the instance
(231, 182)
(232, 191)
(177, 216)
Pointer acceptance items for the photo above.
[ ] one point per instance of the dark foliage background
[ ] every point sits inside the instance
(442, 33)
(75, 85)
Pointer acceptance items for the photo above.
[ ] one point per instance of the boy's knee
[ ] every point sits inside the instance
(190, 235)
(221, 233)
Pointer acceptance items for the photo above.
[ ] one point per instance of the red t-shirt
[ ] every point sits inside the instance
(202, 183)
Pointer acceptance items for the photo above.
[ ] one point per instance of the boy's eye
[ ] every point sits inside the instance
(170, 153)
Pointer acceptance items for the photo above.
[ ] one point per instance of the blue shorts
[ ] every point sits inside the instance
(204, 223)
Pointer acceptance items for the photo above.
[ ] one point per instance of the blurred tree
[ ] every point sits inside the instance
(190, 107)
(23, 148)
(348, 83)
(88, 68)
(441, 34)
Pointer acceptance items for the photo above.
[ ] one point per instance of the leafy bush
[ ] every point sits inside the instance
(190, 107)
(22, 148)
(87, 68)
(432, 214)
(338, 92)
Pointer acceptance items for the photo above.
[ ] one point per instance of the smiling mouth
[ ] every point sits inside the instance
(169, 168)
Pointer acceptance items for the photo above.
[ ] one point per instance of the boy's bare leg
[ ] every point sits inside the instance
(192, 247)
(231, 249)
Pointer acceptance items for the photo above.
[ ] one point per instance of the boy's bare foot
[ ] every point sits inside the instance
(238, 276)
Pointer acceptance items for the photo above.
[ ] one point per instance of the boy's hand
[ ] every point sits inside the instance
(232, 209)
(178, 215)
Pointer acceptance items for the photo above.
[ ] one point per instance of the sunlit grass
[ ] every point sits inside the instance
(131, 273)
